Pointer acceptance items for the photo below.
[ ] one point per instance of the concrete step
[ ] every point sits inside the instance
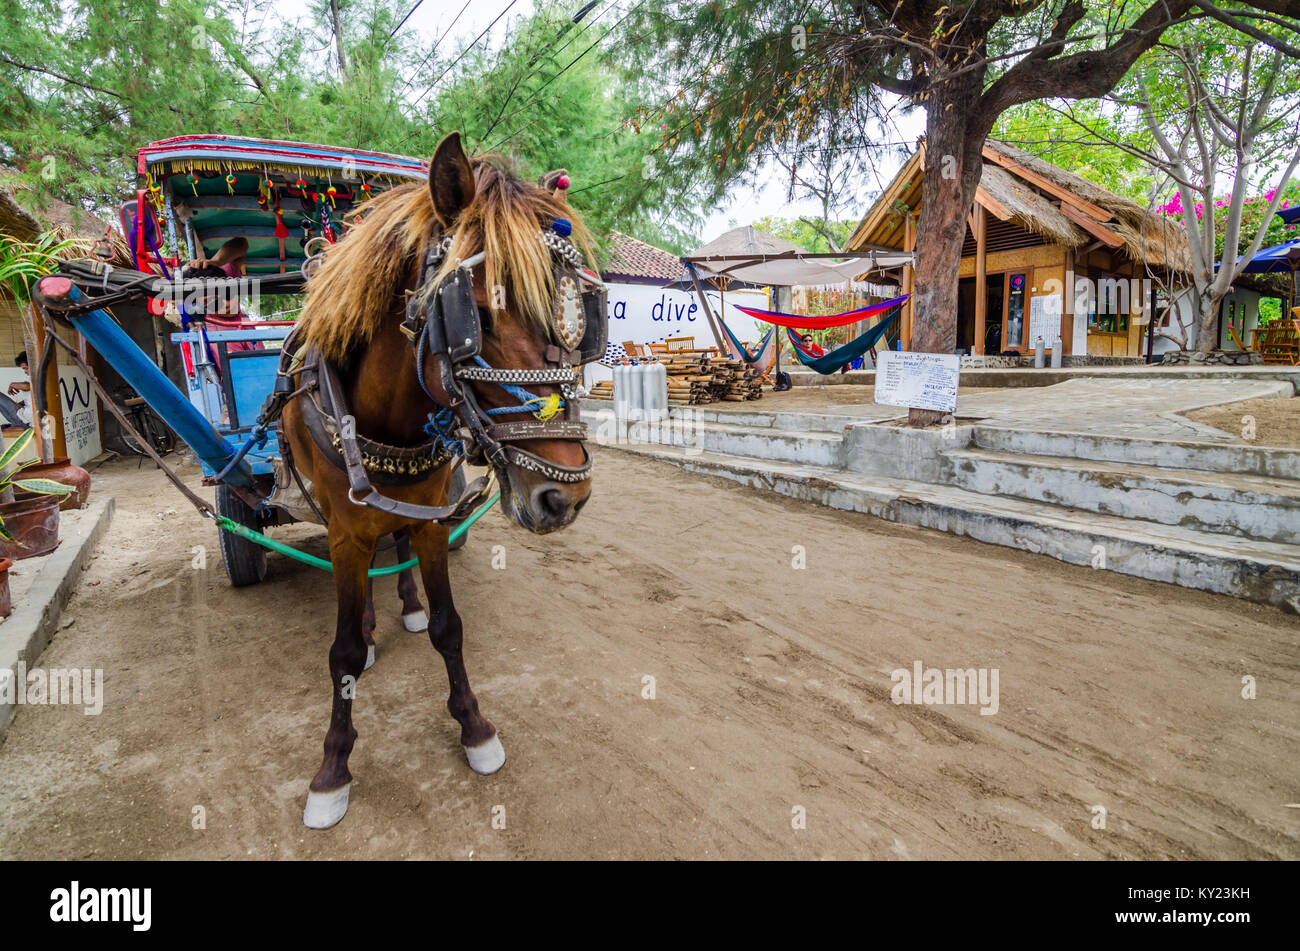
(1225, 503)
(1253, 570)
(691, 432)
(1273, 463)
(750, 414)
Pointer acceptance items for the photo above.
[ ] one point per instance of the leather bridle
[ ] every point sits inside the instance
(445, 326)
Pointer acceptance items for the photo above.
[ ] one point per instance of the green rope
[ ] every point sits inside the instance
(243, 531)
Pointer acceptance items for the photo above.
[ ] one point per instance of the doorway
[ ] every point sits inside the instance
(995, 309)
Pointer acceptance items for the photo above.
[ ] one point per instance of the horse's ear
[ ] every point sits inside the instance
(548, 180)
(451, 180)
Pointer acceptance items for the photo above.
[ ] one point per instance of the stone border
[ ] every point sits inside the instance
(26, 633)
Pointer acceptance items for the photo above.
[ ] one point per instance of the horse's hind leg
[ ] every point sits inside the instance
(483, 748)
(413, 616)
(327, 798)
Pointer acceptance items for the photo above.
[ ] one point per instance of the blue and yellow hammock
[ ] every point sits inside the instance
(739, 351)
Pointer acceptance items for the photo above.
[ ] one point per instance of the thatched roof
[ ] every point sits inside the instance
(24, 215)
(1063, 207)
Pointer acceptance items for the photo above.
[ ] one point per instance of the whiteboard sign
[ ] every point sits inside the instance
(1044, 319)
(918, 380)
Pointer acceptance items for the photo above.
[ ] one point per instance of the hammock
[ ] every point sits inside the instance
(841, 357)
(822, 323)
(740, 352)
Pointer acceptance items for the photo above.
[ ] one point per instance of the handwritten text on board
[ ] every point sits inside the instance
(918, 380)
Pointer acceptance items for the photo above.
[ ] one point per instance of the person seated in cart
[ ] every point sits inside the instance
(227, 262)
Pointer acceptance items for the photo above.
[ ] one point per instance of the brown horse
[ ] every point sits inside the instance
(475, 225)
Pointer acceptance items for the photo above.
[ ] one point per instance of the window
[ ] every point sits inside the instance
(1108, 303)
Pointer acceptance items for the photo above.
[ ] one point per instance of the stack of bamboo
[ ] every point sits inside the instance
(697, 377)
(690, 377)
(735, 381)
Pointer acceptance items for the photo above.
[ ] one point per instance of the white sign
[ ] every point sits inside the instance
(1044, 319)
(643, 313)
(918, 380)
(79, 408)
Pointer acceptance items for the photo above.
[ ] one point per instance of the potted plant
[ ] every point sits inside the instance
(28, 526)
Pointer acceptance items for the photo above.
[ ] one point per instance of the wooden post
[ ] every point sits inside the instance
(1067, 304)
(708, 314)
(981, 278)
(57, 445)
(909, 276)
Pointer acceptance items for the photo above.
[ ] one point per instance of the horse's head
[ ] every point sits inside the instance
(511, 314)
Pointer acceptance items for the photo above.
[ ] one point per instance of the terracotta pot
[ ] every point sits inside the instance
(62, 470)
(34, 524)
(6, 605)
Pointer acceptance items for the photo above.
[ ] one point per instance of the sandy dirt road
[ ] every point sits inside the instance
(772, 692)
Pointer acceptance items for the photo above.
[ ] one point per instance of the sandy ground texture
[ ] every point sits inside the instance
(771, 698)
(1274, 422)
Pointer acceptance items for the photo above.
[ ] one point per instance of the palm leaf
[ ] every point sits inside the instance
(15, 448)
(44, 486)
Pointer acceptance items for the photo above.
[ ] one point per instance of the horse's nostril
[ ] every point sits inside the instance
(553, 503)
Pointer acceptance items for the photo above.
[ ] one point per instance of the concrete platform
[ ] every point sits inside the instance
(1028, 376)
(1246, 568)
(1092, 467)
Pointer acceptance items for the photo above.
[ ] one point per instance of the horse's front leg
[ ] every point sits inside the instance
(483, 748)
(368, 622)
(327, 798)
(413, 616)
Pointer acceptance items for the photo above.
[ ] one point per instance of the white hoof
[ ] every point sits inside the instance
(486, 758)
(325, 809)
(416, 621)
(370, 657)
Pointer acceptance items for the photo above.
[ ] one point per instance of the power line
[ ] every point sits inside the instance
(429, 55)
(462, 54)
(405, 18)
(536, 69)
(538, 94)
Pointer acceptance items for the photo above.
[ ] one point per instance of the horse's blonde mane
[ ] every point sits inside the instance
(357, 285)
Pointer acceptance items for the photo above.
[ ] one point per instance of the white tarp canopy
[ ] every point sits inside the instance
(749, 255)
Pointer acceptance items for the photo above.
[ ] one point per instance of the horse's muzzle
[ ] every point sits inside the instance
(541, 505)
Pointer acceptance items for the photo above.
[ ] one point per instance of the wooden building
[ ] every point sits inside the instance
(1043, 247)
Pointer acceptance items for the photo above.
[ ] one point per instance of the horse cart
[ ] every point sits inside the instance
(278, 205)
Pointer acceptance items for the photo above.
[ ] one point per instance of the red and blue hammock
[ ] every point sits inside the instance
(842, 356)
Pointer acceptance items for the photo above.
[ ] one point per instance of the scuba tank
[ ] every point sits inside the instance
(620, 390)
(654, 391)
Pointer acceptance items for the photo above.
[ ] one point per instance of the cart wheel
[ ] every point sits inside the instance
(245, 562)
(454, 492)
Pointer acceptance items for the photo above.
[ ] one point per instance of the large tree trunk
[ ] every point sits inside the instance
(954, 141)
(1207, 323)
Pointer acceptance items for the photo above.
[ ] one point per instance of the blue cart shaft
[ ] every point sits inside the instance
(122, 353)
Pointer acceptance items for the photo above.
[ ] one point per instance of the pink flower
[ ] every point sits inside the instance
(1268, 195)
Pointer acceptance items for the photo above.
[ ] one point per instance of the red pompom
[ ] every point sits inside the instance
(562, 182)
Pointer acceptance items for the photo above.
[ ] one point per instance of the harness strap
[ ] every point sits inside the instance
(359, 482)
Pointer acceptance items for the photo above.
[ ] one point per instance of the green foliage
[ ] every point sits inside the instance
(22, 263)
(805, 234)
(87, 82)
(1106, 141)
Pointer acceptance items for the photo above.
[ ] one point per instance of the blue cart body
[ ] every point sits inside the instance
(231, 394)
